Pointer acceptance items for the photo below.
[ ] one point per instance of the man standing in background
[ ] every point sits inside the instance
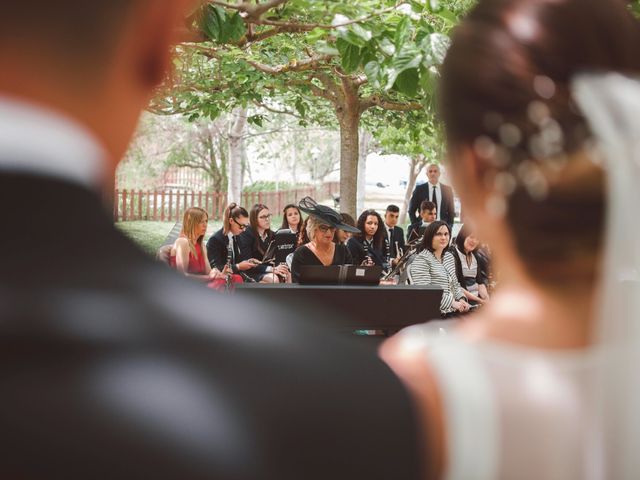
(441, 195)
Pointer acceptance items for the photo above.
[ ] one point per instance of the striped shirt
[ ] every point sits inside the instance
(426, 269)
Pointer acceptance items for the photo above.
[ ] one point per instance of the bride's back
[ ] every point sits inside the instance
(514, 388)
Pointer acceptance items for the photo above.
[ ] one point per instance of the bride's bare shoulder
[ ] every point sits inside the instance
(418, 377)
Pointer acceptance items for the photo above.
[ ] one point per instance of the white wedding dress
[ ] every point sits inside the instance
(513, 412)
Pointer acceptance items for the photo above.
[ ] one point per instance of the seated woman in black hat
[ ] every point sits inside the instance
(322, 224)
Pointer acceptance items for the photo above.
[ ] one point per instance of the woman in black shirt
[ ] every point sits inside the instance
(321, 249)
(370, 245)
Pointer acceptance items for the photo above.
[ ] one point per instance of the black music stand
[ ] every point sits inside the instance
(283, 243)
(340, 275)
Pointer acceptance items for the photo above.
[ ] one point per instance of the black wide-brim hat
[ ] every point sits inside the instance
(325, 214)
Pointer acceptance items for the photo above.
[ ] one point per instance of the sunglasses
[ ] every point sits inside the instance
(325, 228)
(243, 226)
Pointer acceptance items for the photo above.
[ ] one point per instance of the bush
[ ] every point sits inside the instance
(270, 186)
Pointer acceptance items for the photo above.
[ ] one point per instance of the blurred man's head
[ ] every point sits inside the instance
(428, 211)
(391, 215)
(94, 60)
(433, 173)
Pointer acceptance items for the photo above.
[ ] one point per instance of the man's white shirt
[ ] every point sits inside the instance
(39, 141)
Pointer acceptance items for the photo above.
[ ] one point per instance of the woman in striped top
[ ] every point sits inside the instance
(436, 266)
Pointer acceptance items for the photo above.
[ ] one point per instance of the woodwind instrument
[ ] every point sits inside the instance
(228, 282)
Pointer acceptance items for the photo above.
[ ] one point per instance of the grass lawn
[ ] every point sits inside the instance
(150, 235)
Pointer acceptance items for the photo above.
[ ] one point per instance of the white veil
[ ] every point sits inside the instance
(611, 104)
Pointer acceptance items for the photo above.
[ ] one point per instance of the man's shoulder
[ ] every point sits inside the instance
(422, 187)
(163, 350)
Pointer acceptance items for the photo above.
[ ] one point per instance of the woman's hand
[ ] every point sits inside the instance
(216, 274)
(367, 262)
(248, 264)
(281, 270)
(483, 293)
(460, 306)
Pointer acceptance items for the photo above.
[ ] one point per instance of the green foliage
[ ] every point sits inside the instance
(293, 54)
(406, 139)
(393, 45)
(270, 186)
(220, 26)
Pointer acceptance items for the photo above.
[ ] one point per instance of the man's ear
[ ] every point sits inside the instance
(155, 30)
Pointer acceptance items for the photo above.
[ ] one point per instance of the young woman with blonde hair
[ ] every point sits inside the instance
(187, 253)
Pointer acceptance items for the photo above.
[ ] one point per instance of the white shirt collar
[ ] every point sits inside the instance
(38, 141)
(431, 185)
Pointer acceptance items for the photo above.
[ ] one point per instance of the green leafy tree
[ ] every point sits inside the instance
(329, 60)
(423, 145)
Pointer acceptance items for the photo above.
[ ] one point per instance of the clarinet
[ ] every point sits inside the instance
(387, 250)
(367, 253)
(229, 260)
(387, 254)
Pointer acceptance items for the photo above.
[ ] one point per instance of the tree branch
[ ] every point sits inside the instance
(317, 91)
(377, 101)
(330, 86)
(274, 110)
(293, 66)
(252, 10)
(252, 16)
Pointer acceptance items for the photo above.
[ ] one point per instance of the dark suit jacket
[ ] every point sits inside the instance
(422, 192)
(113, 366)
(397, 235)
(217, 251)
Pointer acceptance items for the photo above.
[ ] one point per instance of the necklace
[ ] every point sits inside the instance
(326, 256)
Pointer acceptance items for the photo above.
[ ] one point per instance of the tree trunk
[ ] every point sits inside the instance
(349, 156)
(236, 135)
(417, 164)
(365, 140)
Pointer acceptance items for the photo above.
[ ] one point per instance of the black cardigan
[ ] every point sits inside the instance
(481, 276)
(217, 251)
(356, 247)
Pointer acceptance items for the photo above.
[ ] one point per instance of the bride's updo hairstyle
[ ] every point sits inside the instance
(505, 95)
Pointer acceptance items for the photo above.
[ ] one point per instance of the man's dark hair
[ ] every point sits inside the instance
(78, 29)
(427, 205)
(393, 209)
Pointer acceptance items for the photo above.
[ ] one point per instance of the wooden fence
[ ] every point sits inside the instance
(169, 205)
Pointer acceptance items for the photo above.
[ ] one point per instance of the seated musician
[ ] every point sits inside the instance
(322, 224)
(224, 247)
(394, 233)
(291, 218)
(427, 215)
(342, 236)
(187, 253)
(435, 265)
(370, 245)
(256, 239)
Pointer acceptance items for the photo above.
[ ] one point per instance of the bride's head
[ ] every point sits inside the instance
(518, 144)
